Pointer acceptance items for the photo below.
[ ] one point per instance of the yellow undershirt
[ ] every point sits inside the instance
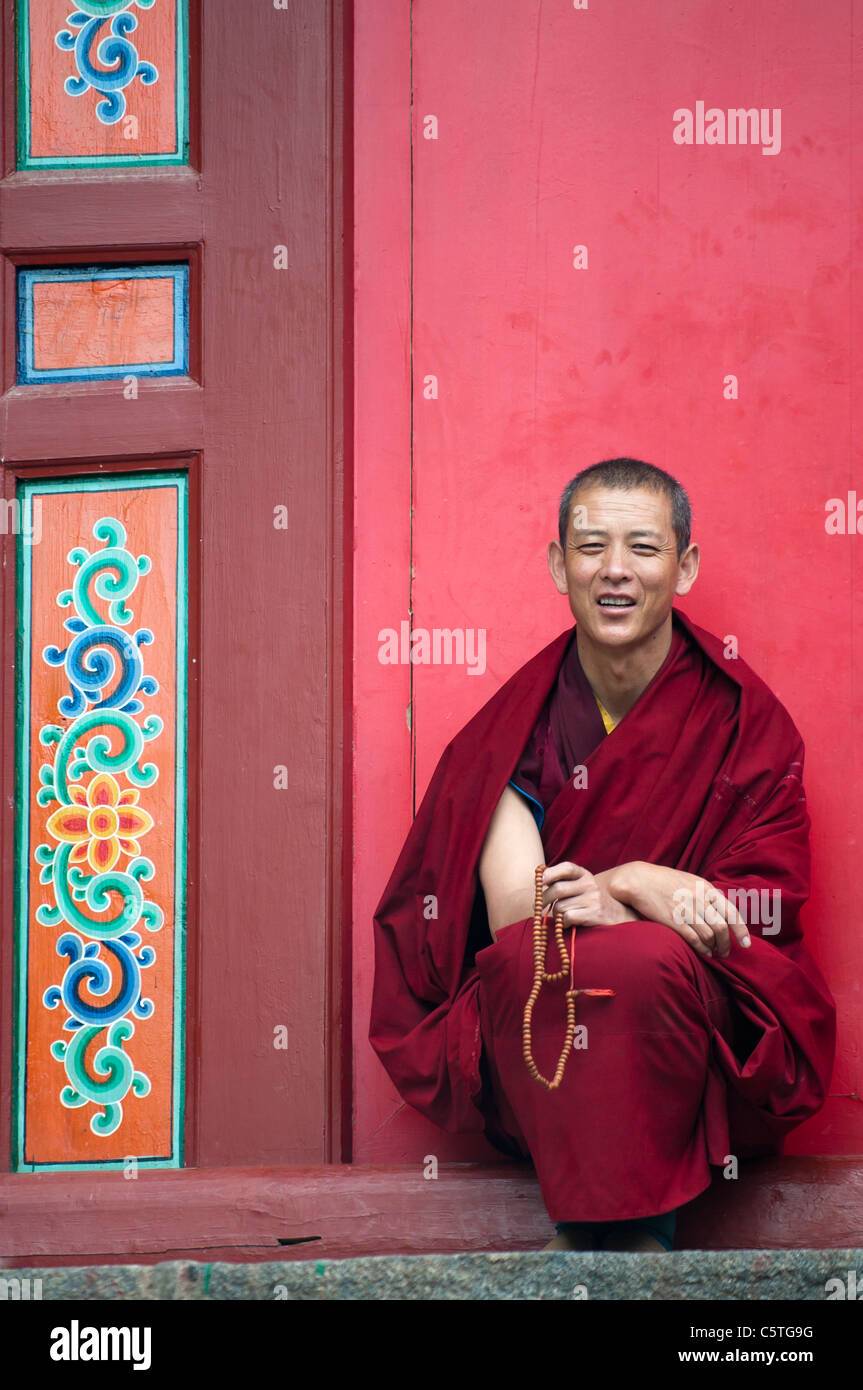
(606, 717)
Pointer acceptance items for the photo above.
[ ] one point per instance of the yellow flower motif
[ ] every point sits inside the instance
(102, 823)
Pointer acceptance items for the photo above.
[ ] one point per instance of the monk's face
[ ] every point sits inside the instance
(620, 567)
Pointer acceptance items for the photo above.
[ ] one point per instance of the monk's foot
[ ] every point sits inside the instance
(634, 1240)
(570, 1241)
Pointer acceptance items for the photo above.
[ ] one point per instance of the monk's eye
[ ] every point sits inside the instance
(590, 549)
(646, 549)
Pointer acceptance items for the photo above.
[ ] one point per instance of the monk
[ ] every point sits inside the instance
(659, 781)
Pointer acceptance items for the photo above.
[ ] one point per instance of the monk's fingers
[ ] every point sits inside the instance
(740, 930)
(570, 901)
(715, 898)
(689, 909)
(717, 923)
(705, 932)
(690, 935)
(718, 938)
(698, 934)
(566, 888)
(723, 908)
(581, 912)
(555, 872)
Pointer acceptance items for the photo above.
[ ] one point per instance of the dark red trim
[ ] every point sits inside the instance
(7, 82)
(340, 1001)
(7, 838)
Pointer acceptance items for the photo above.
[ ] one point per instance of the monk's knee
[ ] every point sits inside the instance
(654, 946)
(664, 947)
(659, 968)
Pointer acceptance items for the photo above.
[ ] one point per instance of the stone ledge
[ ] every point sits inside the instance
(349, 1212)
(736, 1275)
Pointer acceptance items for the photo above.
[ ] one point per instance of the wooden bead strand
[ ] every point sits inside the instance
(541, 977)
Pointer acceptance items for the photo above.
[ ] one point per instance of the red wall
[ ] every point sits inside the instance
(555, 129)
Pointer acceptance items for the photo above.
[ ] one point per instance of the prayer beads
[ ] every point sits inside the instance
(540, 977)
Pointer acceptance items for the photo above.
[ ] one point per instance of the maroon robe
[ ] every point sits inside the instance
(692, 1060)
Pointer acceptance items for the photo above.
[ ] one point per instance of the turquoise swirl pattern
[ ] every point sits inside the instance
(115, 50)
(94, 865)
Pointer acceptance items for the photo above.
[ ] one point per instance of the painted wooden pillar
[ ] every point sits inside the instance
(102, 632)
(173, 578)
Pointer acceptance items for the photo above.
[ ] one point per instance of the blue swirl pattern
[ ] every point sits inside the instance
(115, 51)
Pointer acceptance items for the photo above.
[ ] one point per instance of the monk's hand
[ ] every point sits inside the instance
(690, 905)
(584, 899)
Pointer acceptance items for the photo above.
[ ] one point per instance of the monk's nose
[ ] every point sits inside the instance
(615, 563)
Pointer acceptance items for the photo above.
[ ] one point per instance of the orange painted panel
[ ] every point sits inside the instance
(90, 544)
(122, 61)
(96, 323)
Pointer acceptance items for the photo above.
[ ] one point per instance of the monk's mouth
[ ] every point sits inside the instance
(616, 605)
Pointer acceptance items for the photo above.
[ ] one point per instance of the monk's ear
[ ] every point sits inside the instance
(557, 567)
(688, 566)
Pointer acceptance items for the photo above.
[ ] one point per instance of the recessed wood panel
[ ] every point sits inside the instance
(91, 323)
(103, 83)
(101, 793)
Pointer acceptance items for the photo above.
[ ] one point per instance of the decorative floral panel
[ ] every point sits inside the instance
(101, 818)
(103, 82)
(89, 323)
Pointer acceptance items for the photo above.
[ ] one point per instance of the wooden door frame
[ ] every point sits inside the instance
(180, 227)
(341, 606)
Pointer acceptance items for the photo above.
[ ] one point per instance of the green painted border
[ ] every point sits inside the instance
(26, 490)
(25, 160)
